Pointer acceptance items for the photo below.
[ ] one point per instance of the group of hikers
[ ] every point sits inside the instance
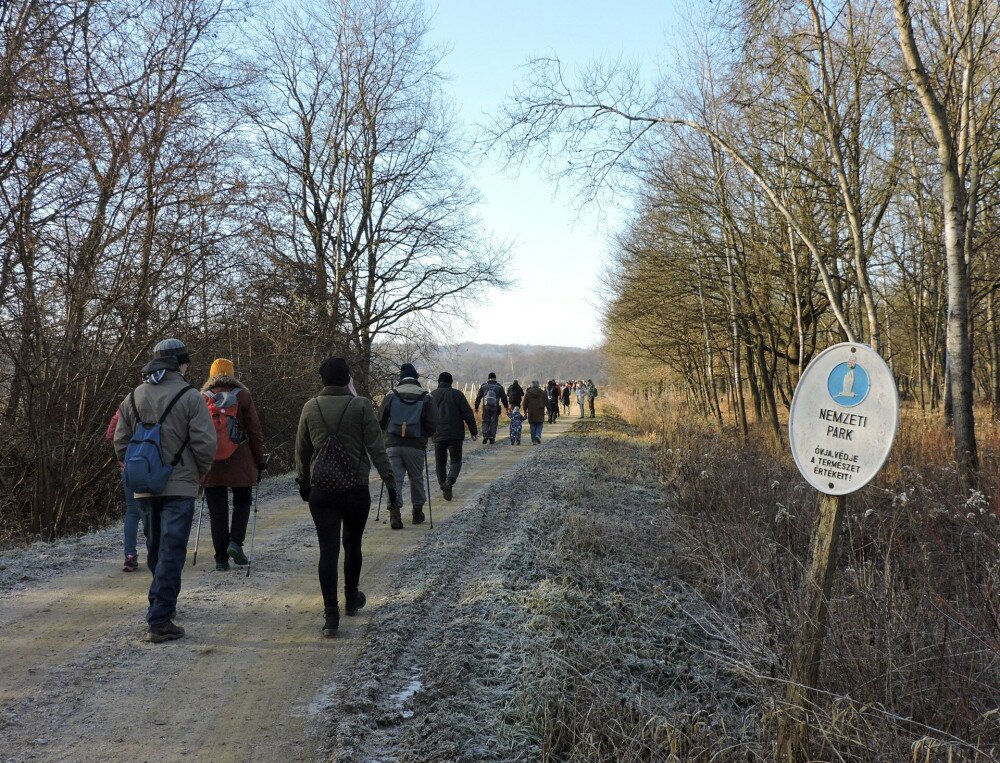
(539, 405)
(174, 443)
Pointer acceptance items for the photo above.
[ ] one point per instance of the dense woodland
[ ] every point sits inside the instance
(819, 172)
(271, 183)
(816, 171)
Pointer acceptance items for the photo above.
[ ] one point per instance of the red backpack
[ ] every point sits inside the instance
(223, 406)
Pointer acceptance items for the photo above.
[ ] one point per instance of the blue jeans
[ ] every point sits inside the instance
(133, 514)
(170, 519)
(536, 431)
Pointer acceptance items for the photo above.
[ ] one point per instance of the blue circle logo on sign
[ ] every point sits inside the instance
(848, 383)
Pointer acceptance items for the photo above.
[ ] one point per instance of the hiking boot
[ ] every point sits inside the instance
(395, 520)
(331, 621)
(418, 515)
(221, 566)
(354, 603)
(446, 490)
(486, 440)
(235, 552)
(131, 563)
(165, 631)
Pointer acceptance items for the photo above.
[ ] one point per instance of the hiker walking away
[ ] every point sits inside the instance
(591, 394)
(408, 420)
(552, 395)
(166, 438)
(337, 441)
(581, 396)
(239, 461)
(536, 404)
(492, 396)
(567, 390)
(454, 414)
(515, 394)
(133, 511)
(516, 424)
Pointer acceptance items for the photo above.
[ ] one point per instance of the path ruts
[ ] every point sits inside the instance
(78, 681)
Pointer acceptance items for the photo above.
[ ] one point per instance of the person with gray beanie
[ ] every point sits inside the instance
(187, 443)
(454, 414)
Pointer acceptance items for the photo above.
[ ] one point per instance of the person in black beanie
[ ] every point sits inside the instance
(408, 420)
(454, 414)
(336, 410)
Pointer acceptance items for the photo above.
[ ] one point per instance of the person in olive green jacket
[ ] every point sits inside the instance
(338, 410)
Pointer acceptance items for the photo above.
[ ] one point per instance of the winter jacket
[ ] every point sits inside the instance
(591, 391)
(112, 426)
(110, 433)
(240, 469)
(501, 395)
(409, 389)
(581, 395)
(189, 420)
(358, 432)
(453, 414)
(515, 394)
(565, 394)
(536, 405)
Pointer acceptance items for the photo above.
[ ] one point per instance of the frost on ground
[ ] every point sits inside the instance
(21, 566)
(550, 619)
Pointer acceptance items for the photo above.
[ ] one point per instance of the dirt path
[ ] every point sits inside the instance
(251, 679)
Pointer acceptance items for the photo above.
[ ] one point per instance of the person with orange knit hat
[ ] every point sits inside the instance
(239, 461)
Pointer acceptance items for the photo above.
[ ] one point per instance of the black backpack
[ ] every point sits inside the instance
(334, 472)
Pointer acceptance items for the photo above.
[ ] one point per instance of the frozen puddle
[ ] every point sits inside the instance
(399, 700)
(322, 702)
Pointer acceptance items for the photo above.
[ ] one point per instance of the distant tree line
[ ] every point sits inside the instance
(270, 184)
(817, 172)
(470, 362)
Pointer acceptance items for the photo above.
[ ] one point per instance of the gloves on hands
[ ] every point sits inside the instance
(261, 470)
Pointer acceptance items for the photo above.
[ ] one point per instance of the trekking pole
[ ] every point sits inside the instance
(197, 535)
(430, 506)
(253, 529)
(379, 509)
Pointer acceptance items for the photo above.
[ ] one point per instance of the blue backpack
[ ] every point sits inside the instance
(146, 471)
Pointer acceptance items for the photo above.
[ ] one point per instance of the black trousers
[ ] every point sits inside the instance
(442, 452)
(330, 511)
(217, 499)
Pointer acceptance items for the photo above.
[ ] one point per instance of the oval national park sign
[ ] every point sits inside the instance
(844, 418)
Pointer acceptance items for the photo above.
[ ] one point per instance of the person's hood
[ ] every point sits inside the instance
(444, 384)
(156, 370)
(409, 387)
(336, 389)
(222, 380)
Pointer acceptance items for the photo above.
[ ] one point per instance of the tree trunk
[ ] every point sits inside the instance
(958, 339)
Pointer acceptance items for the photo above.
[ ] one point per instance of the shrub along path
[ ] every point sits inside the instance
(551, 620)
(253, 679)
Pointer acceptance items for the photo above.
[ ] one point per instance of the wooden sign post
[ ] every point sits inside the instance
(842, 423)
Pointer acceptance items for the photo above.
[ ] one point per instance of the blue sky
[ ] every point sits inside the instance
(560, 249)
